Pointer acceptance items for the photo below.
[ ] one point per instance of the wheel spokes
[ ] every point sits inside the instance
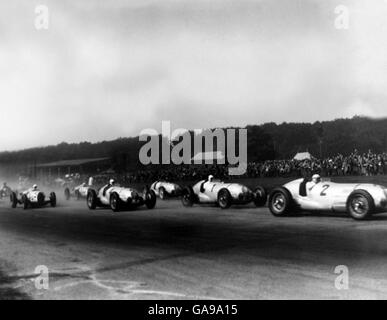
(279, 202)
(359, 205)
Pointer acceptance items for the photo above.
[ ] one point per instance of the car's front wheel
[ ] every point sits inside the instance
(53, 199)
(25, 201)
(224, 199)
(115, 202)
(280, 202)
(162, 193)
(91, 199)
(187, 197)
(360, 205)
(150, 199)
(13, 198)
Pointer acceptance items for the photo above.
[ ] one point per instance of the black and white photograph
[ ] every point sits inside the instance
(201, 151)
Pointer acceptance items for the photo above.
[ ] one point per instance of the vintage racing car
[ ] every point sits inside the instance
(360, 201)
(5, 191)
(120, 198)
(224, 194)
(33, 198)
(165, 189)
(77, 192)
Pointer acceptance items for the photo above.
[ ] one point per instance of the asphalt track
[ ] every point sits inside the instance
(173, 252)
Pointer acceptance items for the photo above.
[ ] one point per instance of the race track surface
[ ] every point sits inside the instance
(173, 252)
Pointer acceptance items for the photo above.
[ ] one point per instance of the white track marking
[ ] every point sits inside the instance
(129, 287)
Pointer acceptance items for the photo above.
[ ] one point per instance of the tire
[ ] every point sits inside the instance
(224, 199)
(150, 199)
(41, 199)
(77, 195)
(91, 199)
(25, 202)
(280, 202)
(13, 198)
(260, 196)
(115, 202)
(53, 199)
(187, 197)
(67, 194)
(360, 205)
(162, 193)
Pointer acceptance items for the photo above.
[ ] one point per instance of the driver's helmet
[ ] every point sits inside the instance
(316, 178)
(35, 187)
(112, 181)
(210, 178)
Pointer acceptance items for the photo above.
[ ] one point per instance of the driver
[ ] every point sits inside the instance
(316, 179)
(309, 184)
(111, 183)
(209, 179)
(34, 188)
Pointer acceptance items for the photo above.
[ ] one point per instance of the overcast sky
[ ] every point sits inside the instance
(111, 68)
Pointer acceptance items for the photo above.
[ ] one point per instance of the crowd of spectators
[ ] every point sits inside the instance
(367, 164)
(356, 163)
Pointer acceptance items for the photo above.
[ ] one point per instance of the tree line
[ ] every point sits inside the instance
(268, 141)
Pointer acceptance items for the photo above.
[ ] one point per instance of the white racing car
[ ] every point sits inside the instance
(119, 198)
(164, 189)
(32, 198)
(224, 194)
(78, 192)
(360, 201)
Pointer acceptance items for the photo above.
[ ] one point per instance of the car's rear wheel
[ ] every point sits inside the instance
(360, 205)
(13, 198)
(187, 197)
(115, 202)
(53, 199)
(77, 194)
(150, 199)
(162, 193)
(91, 199)
(260, 196)
(224, 199)
(280, 202)
(67, 194)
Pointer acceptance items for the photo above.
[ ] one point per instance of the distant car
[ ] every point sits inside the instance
(5, 192)
(164, 189)
(224, 194)
(120, 198)
(359, 200)
(77, 192)
(32, 199)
